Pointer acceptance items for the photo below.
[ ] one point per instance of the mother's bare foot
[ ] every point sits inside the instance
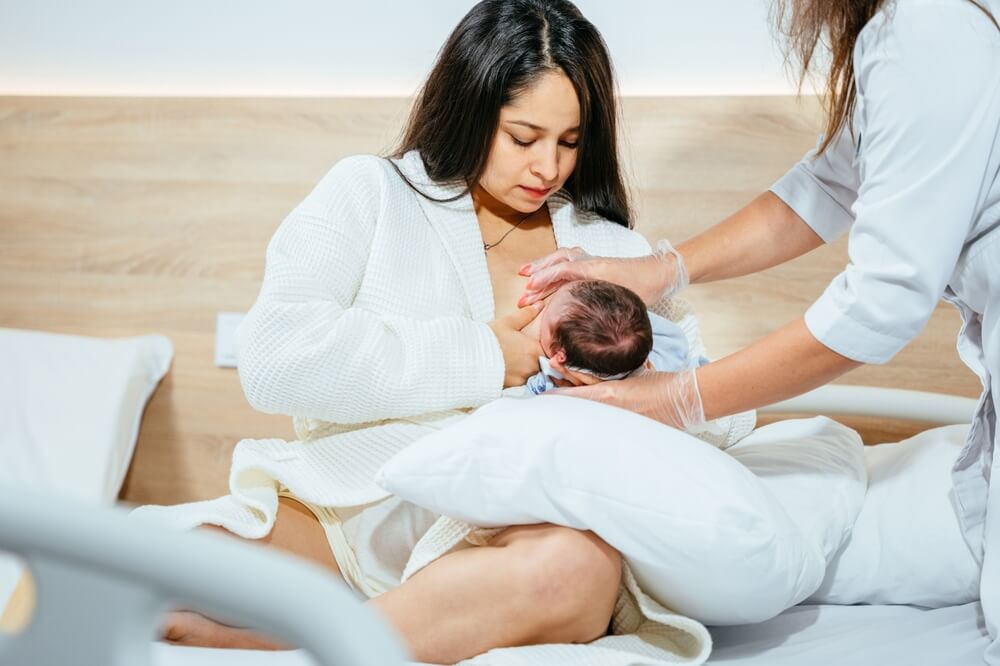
(196, 630)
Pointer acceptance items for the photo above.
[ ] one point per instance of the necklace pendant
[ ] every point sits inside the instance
(488, 246)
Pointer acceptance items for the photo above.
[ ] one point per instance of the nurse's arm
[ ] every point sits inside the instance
(925, 155)
(784, 364)
(764, 233)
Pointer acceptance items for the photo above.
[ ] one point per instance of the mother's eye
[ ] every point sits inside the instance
(523, 144)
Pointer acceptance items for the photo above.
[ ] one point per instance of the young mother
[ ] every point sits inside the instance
(910, 164)
(389, 303)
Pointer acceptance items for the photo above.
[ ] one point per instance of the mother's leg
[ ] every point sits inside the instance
(532, 584)
(296, 531)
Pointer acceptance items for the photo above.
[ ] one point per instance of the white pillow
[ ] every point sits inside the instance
(70, 408)
(69, 415)
(906, 546)
(703, 535)
(816, 469)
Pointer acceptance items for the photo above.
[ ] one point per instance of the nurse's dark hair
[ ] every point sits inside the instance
(812, 26)
(497, 51)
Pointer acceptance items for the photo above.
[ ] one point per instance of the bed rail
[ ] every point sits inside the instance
(901, 404)
(104, 582)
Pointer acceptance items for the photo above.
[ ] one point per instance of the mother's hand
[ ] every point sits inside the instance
(520, 351)
(651, 277)
(670, 398)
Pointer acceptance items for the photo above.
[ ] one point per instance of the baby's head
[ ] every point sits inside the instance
(596, 326)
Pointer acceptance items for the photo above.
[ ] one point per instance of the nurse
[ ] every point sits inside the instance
(909, 167)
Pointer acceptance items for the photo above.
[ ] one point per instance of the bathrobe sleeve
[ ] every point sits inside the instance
(928, 77)
(305, 349)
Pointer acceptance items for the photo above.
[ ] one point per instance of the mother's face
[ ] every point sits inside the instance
(534, 150)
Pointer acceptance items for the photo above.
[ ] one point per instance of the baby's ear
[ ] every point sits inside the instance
(559, 357)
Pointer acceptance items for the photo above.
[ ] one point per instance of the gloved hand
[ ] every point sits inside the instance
(670, 398)
(652, 277)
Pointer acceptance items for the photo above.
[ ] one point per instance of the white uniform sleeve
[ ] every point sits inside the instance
(304, 349)
(928, 83)
(822, 190)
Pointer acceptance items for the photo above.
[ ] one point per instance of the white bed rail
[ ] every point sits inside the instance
(104, 582)
(880, 402)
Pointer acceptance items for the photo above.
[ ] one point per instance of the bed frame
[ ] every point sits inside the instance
(882, 403)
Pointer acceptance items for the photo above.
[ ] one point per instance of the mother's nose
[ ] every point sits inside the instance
(546, 164)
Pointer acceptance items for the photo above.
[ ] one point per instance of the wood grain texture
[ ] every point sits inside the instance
(123, 216)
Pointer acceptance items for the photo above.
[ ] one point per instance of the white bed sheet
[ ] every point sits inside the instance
(857, 635)
(801, 636)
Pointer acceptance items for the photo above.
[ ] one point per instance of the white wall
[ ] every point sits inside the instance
(339, 48)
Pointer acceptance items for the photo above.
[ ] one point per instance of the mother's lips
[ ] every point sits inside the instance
(537, 192)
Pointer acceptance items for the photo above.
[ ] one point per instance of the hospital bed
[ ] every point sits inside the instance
(103, 583)
(127, 215)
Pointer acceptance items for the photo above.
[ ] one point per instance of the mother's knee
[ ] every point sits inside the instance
(570, 577)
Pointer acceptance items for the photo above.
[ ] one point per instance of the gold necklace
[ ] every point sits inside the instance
(489, 246)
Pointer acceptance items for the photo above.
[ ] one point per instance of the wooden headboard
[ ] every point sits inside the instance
(122, 216)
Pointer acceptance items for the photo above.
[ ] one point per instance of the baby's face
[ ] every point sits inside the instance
(542, 326)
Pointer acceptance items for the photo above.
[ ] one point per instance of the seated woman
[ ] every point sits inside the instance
(388, 310)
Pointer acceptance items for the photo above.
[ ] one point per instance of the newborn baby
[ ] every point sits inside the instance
(604, 330)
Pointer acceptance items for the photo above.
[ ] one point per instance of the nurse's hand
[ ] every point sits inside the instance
(570, 377)
(670, 398)
(651, 277)
(520, 351)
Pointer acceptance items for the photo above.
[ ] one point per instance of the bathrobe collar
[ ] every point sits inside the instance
(453, 217)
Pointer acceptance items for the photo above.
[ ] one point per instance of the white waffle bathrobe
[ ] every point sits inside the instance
(371, 330)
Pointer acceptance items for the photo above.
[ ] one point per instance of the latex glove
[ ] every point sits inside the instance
(520, 351)
(667, 397)
(571, 377)
(652, 277)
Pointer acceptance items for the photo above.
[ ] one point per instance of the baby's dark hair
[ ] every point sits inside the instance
(606, 329)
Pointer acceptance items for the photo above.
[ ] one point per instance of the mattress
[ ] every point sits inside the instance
(801, 636)
(857, 635)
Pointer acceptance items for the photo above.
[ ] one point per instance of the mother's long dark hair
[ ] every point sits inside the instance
(496, 52)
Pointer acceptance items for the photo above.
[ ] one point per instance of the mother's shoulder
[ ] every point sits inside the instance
(361, 175)
(362, 165)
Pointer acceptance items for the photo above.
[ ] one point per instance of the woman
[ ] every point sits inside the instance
(388, 305)
(910, 163)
